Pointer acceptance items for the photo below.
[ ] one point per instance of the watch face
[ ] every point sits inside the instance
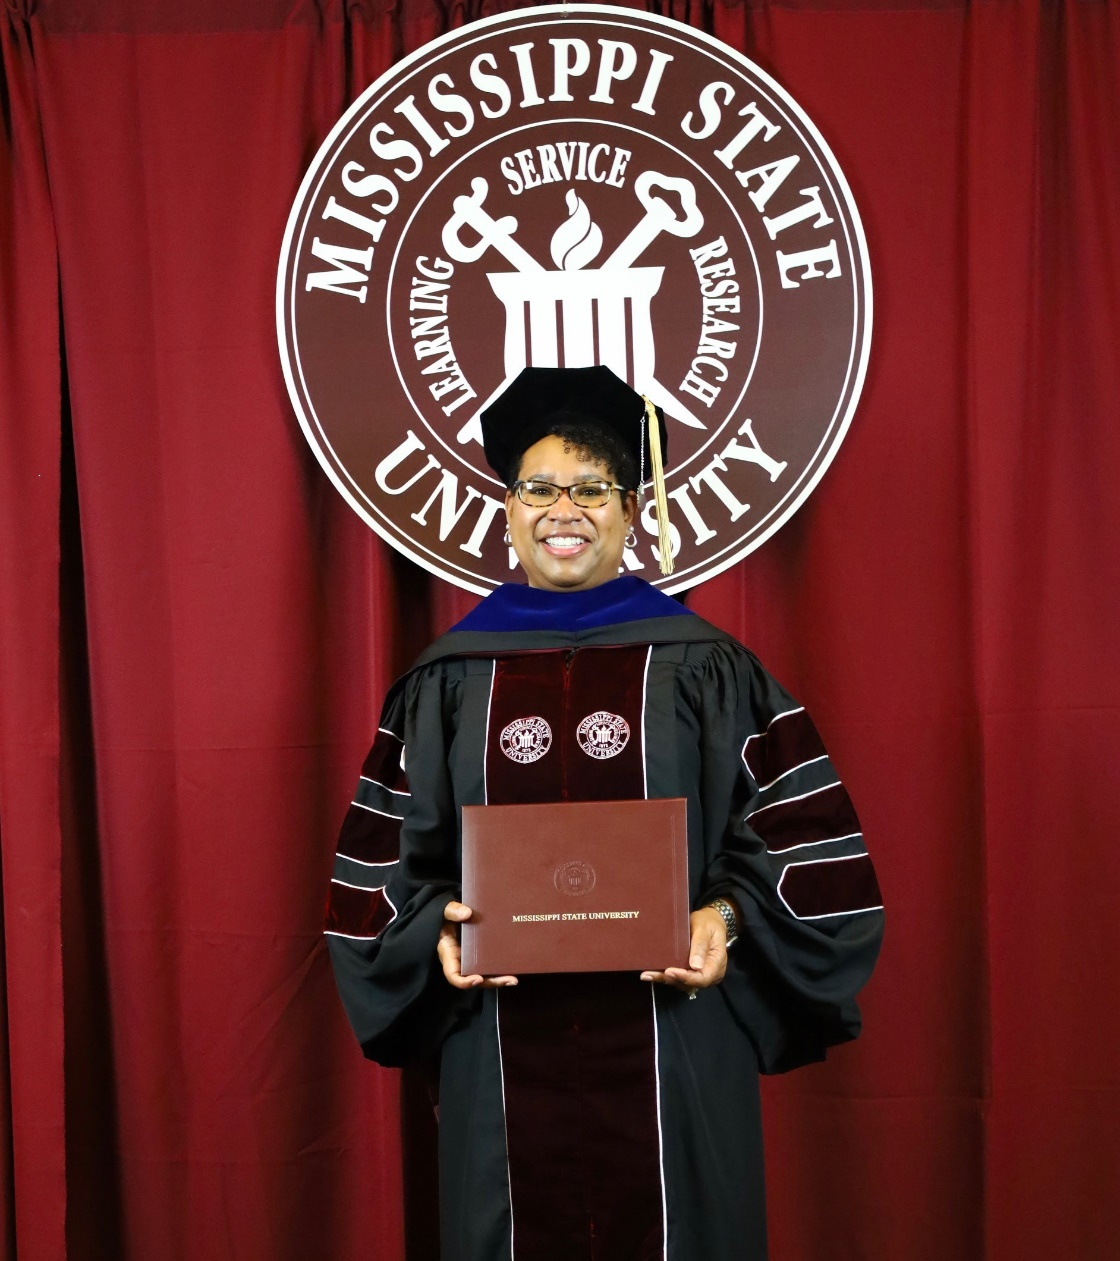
(560, 186)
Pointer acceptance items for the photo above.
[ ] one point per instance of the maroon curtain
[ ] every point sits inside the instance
(195, 633)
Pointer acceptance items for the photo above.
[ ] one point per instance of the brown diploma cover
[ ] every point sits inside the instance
(575, 886)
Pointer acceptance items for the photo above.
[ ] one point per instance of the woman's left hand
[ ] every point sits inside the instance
(707, 954)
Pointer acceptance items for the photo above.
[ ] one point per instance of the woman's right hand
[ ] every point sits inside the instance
(454, 913)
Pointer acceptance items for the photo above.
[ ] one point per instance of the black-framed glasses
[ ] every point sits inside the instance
(537, 494)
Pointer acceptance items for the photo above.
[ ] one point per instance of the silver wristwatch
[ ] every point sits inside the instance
(727, 914)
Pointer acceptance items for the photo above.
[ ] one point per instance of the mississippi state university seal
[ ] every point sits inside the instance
(574, 878)
(526, 739)
(569, 186)
(602, 734)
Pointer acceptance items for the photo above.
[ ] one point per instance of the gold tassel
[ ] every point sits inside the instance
(660, 500)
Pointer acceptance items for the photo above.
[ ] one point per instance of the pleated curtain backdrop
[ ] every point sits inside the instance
(196, 632)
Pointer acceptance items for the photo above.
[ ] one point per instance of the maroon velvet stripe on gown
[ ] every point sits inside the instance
(578, 1052)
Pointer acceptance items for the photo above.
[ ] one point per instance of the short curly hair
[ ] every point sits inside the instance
(591, 442)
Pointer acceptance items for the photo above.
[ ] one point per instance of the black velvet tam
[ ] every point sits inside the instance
(539, 398)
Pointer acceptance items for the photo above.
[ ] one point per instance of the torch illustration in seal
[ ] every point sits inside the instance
(604, 311)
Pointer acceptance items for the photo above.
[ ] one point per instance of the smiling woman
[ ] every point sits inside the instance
(603, 1114)
(568, 544)
(551, 436)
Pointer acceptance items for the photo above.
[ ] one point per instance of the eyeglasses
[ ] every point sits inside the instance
(536, 494)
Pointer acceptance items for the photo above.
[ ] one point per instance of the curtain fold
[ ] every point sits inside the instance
(196, 633)
(32, 1160)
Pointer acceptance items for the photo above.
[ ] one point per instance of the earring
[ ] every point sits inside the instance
(631, 539)
(506, 538)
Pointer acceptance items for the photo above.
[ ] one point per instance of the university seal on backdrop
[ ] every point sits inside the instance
(568, 186)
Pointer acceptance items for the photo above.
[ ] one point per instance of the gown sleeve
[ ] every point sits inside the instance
(395, 870)
(787, 846)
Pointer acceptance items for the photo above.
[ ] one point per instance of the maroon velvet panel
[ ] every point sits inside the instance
(357, 912)
(581, 1118)
(821, 816)
(526, 687)
(383, 762)
(830, 887)
(564, 689)
(610, 681)
(591, 1034)
(788, 742)
(370, 837)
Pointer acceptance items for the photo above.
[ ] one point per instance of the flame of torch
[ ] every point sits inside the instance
(577, 241)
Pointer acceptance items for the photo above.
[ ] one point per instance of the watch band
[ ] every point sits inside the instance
(727, 914)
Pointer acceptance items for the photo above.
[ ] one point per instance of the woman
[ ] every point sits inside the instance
(608, 1115)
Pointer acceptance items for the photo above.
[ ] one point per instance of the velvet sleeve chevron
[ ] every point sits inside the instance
(358, 906)
(395, 868)
(792, 855)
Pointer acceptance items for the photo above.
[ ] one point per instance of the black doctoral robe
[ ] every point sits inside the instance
(600, 1116)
